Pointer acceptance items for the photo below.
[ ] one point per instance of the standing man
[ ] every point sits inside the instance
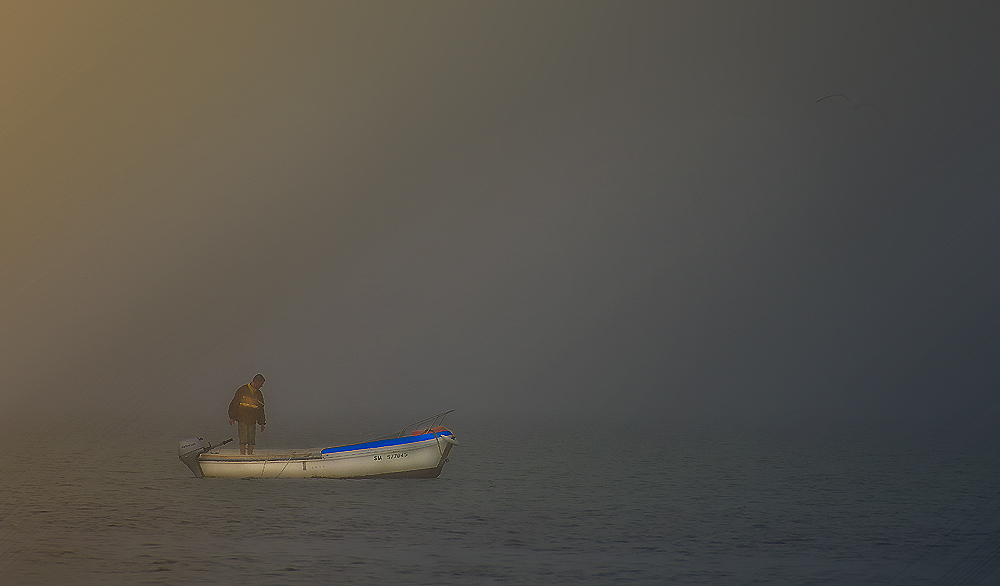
(247, 407)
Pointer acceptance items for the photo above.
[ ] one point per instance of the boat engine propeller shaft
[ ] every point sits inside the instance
(192, 447)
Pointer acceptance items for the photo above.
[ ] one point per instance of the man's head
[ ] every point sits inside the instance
(258, 381)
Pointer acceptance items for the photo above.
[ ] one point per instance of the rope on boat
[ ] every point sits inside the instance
(280, 472)
(287, 462)
(438, 442)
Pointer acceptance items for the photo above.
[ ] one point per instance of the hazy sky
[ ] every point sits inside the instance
(569, 209)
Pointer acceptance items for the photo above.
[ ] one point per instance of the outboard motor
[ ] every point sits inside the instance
(188, 452)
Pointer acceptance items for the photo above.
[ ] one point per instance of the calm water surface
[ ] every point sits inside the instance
(548, 507)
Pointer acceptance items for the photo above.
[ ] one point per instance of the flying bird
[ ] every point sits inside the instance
(856, 104)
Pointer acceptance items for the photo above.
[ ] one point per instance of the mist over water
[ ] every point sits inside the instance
(576, 210)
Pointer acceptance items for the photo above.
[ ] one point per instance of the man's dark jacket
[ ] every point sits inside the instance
(247, 405)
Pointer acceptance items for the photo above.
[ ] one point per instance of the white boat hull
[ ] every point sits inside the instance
(418, 456)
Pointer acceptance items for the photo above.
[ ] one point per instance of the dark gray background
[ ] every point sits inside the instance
(578, 211)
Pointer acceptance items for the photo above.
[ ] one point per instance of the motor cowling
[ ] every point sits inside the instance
(188, 452)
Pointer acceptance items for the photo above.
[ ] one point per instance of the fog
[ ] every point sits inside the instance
(561, 212)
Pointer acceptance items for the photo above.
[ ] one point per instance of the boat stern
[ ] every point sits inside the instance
(188, 452)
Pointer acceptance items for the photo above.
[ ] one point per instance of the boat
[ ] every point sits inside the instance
(419, 450)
